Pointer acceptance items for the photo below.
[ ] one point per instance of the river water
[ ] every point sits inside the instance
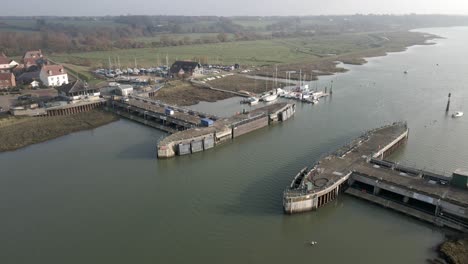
(101, 196)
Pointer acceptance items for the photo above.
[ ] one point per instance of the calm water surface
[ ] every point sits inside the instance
(101, 196)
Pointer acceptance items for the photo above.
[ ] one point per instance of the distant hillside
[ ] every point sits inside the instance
(77, 34)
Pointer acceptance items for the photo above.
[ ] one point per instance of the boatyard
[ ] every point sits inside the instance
(359, 169)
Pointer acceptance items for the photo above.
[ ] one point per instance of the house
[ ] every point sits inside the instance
(77, 90)
(53, 75)
(7, 64)
(7, 80)
(33, 58)
(187, 68)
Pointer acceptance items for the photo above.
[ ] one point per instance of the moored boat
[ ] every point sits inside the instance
(270, 98)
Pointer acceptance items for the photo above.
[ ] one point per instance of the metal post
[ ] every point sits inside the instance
(448, 103)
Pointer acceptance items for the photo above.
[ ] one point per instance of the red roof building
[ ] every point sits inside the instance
(7, 80)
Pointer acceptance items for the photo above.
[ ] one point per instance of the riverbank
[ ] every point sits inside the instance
(455, 250)
(355, 54)
(19, 132)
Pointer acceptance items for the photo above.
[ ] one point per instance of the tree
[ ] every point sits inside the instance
(222, 37)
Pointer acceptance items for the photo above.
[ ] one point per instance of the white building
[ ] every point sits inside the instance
(6, 64)
(53, 75)
(124, 90)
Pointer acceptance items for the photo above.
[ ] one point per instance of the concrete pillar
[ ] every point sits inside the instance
(376, 190)
(405, 199)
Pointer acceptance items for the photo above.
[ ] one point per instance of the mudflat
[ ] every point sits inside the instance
(19, 132)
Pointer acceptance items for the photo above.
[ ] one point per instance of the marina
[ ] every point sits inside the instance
(118, 204)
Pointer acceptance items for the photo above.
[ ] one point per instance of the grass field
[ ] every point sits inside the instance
(254, 53)
(183, 94)
(192, 36)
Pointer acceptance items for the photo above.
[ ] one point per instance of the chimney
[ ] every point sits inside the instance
(49, 72)
(61, 70)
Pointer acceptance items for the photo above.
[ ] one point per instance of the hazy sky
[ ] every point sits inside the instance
(228, 8)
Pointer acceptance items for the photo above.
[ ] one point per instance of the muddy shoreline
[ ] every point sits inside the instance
(454, 250)
(20, 132)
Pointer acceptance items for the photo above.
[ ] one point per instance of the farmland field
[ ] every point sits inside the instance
(254, 53)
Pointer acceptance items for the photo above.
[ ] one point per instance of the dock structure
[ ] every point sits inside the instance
(203, 138)
(62, 109)
(359, 169)
(153, 113)
(192, 131)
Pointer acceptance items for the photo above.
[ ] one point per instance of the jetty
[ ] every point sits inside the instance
(193, 131)
(222, 130)
(360, 169)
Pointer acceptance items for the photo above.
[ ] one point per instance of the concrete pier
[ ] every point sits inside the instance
(360, 170)
(188, 135)
(181, 143)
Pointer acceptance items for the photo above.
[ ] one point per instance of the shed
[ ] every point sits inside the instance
(124, 90)
(460, 178)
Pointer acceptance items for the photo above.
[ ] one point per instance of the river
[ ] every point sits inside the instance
(101, 196)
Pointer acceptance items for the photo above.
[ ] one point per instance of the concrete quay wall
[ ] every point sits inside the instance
(220, 132)
(438, 220)
(441, 204)
(312, 201)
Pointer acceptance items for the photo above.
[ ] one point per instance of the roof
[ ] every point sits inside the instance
(125, 86)
(75, 87)
(32, 54)
(4, 59)
(6, 76)
(461, 172)
(28, 77)
(53, 70)
(187, 66)
(29, 61)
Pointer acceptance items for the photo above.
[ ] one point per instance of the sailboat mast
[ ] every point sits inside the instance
(276, 76)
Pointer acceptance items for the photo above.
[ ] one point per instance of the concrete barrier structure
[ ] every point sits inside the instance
(359, 169)
(223, 130)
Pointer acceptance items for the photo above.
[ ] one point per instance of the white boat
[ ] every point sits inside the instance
(270, 98)
(253, 100)
(457, 114)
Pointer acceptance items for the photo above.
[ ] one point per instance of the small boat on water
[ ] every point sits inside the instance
(457, 114)
(270, 98)
(253, 100)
